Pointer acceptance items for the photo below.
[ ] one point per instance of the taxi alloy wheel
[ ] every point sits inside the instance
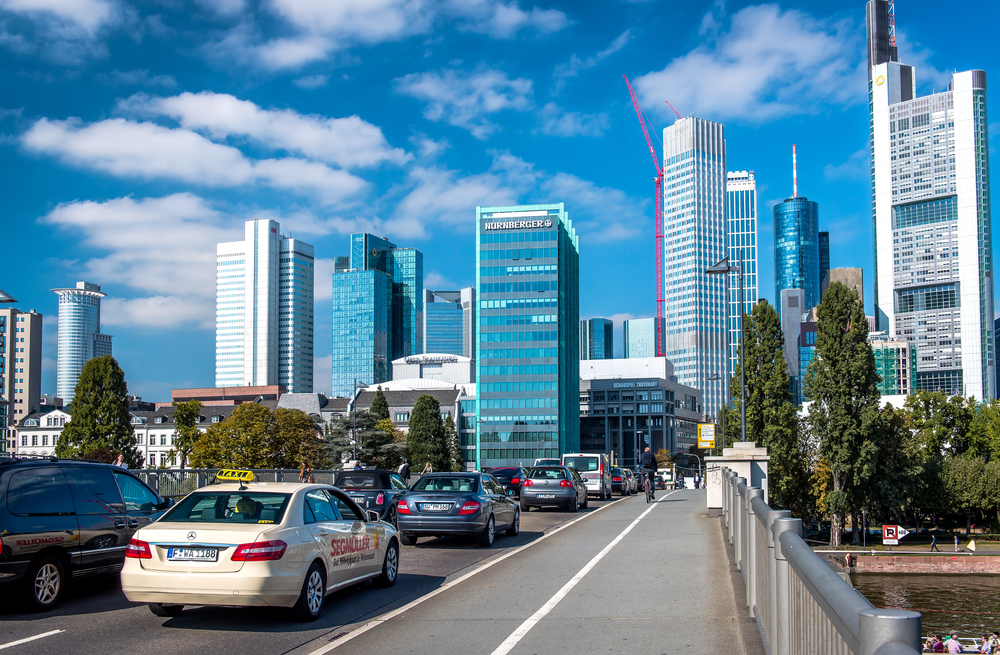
(390, 566)
(515, 525)
(488, 534)
(310, 602)
(46, 580)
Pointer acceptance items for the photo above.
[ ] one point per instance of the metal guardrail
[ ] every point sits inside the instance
(799, 603)
(180, 482)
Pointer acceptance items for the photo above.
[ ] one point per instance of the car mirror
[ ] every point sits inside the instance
(166, 504)
(510, 492)
(373, 516)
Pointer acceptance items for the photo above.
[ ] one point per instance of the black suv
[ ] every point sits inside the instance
(63, 518)
(373, 490)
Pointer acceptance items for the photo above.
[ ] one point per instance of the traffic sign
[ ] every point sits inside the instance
(891, 534)
(706, 435)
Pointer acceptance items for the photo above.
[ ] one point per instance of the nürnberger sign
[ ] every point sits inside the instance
(517, 225)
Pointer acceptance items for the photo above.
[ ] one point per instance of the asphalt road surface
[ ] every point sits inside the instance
(621, 576)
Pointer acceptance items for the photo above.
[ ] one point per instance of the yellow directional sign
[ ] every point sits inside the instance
(706, 435)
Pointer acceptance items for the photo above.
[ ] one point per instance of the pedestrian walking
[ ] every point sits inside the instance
(306, 473)
(958, 548)
(427, 468)
(404, 472)
(357, 466)
(934, 544)
(697, 480)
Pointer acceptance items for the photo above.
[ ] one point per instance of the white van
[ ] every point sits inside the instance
(595, 470)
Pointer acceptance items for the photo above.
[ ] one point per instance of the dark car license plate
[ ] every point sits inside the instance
(435, 507)
(546, 495)
(360, 500)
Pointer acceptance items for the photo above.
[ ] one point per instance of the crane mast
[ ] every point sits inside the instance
(659, 218)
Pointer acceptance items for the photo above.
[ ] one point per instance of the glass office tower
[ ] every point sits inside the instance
(528, 355)
(796, 248)
(80, 338)
(639, 337)
(378, 311)
(824, 259)
(264, 310)
(597, 339)
(443, 320)
(694, 227)
(741, 206)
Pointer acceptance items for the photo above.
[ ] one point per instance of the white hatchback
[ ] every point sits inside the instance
(267, 544)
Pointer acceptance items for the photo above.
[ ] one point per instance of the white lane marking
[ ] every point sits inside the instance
(396, 612)
(27, 639)
(530, 622)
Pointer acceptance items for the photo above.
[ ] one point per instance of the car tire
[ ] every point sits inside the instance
(408, 540)
(44, 581)
(162, 609)
(393, 518)
(586, 502)
(310, 603)
(573, 507)
(390, 566)
(524, 508)
(515, 525)
(488, 534)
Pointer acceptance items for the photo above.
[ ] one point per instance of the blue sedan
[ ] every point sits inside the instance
(469, 504)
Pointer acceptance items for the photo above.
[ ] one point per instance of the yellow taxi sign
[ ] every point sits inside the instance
(706, 435)
(234, 475)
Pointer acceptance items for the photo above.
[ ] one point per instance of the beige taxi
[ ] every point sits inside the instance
(258, 544)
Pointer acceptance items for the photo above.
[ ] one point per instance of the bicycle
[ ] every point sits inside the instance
(648, 486)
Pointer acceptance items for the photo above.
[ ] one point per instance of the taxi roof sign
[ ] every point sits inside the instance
(234, 475)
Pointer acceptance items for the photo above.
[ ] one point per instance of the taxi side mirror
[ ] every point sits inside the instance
(373, 516)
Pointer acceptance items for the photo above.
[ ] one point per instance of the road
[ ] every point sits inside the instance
(622, 576)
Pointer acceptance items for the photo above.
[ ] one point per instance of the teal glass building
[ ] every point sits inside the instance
(597, 339)
(378, 311)
(527, 355)
(639, 337)
(796, 248)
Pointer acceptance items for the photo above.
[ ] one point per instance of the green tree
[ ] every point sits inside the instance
(454, 445)
(255, 437)
(186, 432)
(941, 423)
(338, 445)
(380, 407)
(972, 486)
(99, 414)
(297, 439)
(844, 415)
(425, 440)
(387, 445)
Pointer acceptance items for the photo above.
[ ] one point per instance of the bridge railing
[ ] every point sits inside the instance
(799, 603)
(180, 482)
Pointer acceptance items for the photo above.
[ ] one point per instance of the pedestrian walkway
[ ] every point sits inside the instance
(629, 577)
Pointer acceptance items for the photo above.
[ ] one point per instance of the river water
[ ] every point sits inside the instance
(968, 604)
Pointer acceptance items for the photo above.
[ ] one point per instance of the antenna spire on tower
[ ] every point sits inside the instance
(795, 175)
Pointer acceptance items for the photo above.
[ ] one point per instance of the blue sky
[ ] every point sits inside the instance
(134, 136)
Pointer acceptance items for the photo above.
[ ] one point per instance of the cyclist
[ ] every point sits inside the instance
(648, 463)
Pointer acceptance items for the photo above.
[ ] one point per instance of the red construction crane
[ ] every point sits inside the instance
(659, 217)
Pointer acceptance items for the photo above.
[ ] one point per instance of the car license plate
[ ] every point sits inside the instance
(193, 554)
(546, 495)
(360, 500)
(435, 507)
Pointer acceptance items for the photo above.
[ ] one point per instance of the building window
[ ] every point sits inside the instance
(216, 419)
(45, 440)
(152, 459)
(402, 417)
(34, 440)
(24, 440)
(163, 440)
(138, 439)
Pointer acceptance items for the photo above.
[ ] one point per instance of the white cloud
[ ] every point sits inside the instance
(467, 100)
(573, 67)
(138, 77)
(770, 63)
(347, 142)
(504, 20)
(855, 168)
(556, 122)
(131, 149)
(86, 14)
(608, 213)
(311, 81)
(280, 54)
(427, 147)
(164, 248)
(435, 280)
(913, 53)
(322, 373)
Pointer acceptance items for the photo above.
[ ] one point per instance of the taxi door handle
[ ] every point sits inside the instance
(323, 533)
(119, 525)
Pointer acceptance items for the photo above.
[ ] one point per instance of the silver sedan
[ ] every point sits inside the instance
(553, 486)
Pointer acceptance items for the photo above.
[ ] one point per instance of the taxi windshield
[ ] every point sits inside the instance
(446, 483)
(229, 507)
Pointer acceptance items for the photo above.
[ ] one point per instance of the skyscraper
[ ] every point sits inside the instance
(80, 337)
(741, 206)
(378, 311)
(264, 310)
(449, 322)
(881, 28)
(694, 213)
(639, 337)
(796, 245)
(932, 224)
(20, 361)
(824, 259)
(597, 339)
(528, 358)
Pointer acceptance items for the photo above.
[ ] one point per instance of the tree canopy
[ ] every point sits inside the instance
(426, 440)
(186, 432)
(380, 407)
(256, 437)
(99, 414)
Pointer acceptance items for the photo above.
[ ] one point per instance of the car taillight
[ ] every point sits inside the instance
(470, 507)
(565, 483)
(616, 479)
(378, 499)
(403, 508)
(515, 481)
(138, 550)
(259, 551)
(527, 483)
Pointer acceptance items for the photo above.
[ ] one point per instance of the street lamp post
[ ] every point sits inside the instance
(722, 267)
(354, 416)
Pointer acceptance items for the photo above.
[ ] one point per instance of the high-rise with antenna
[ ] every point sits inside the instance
(796, 243)
(795, 173)
(931, 221)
